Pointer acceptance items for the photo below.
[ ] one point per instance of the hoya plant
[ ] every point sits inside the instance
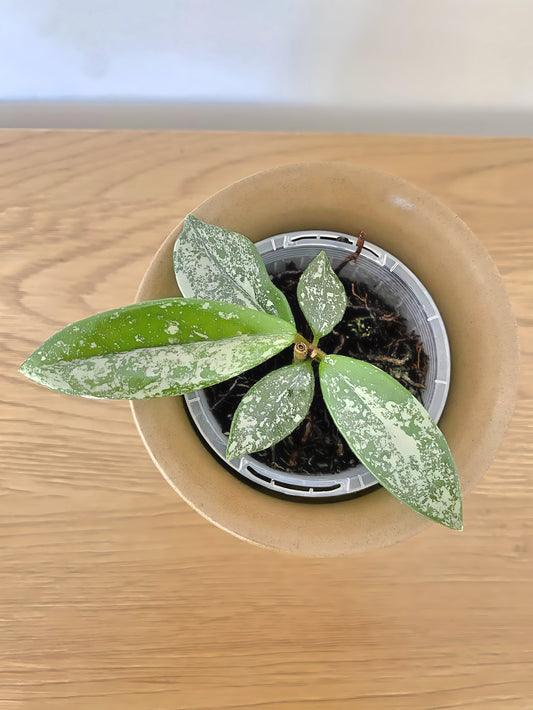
(230, 319)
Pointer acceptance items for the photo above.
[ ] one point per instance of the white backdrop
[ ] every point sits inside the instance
(372, 65)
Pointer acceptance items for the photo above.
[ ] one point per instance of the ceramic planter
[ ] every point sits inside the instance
(461, 278)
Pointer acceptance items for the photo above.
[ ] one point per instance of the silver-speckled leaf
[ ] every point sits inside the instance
(214, 263)
(321, 296)
(271, 409)
(394, 436)
(157, 349)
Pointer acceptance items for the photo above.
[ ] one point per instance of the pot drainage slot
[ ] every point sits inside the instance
(258, 475)
(328, 237)
(275, 483)
(367, 250)
(326, 488)
(291, 486)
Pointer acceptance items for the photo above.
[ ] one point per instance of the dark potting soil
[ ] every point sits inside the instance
(370, 330)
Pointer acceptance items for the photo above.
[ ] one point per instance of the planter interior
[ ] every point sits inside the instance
(460, 276)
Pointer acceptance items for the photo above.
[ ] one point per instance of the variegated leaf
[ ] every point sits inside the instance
(394, 436)
(157, 349)
(271, 409)
(214, 263)
(321, 296)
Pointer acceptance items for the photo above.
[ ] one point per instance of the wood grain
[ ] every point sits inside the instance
(114, 594)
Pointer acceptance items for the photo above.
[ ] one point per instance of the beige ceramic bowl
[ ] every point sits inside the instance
(440, 249)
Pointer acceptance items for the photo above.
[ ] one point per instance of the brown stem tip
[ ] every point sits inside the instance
(300, 352)
(353, 257)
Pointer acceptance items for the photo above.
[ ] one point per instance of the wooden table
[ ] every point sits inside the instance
(115, 594)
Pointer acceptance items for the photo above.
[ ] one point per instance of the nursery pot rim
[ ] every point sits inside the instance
(418, 229)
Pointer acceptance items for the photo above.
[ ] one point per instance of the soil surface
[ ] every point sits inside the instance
(371, 331)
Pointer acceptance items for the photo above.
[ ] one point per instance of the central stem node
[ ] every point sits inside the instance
(300, 351)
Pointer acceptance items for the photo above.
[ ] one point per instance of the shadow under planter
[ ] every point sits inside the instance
(461, 278)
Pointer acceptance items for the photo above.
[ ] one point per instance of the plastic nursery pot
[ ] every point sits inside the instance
(468, 291)
(385, 276)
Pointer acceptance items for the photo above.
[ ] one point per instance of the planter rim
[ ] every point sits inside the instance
(417, 228)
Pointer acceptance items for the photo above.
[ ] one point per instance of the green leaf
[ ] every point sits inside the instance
(394, 436)
(321, 296)
(214, 263)
(271, 409)
(156, 349)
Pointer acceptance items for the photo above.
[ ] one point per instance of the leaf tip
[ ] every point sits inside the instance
(27, 368)
(457, 523)
(453, 518)
(232, 451)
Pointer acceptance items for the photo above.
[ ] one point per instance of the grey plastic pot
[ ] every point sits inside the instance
(401, 289)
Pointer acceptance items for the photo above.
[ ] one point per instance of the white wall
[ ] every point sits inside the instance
(395, 65)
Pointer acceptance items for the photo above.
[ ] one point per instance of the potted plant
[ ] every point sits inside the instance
(330, 196)
(400, 330)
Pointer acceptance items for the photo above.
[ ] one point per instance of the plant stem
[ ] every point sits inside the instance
(312, 351)
(353, 257)
(300, 352)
